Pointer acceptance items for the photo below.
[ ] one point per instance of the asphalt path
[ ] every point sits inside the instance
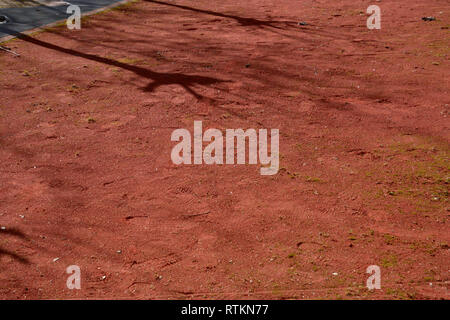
(15, 20)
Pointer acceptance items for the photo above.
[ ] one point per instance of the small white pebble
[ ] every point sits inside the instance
(334, 273)
(56, 259)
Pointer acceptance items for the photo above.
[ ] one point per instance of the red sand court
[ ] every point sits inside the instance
(87, 179)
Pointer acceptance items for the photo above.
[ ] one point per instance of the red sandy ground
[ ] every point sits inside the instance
(86, 176)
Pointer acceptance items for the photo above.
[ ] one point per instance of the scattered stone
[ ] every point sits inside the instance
(56, 259)
(334, 273)
(428, 18)
(302, 23)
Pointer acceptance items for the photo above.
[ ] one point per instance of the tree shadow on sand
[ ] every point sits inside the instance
(15, 233)
(243, 21)
(159, 79)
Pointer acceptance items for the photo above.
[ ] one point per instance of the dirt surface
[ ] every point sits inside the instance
(87, 179)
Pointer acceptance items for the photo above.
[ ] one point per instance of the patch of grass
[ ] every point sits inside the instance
(312, 179)
(400, 294)
(127, 7)
(389, 261)
(352, 237)
(55, 27)
(292, 175)
(389, 239)
(130, 61)
(439, 48)
(369, 233)
(430, 276)
(412, 177)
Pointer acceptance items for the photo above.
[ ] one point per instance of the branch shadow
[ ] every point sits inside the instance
(16, 233)
(158, 78)
(243, 21)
